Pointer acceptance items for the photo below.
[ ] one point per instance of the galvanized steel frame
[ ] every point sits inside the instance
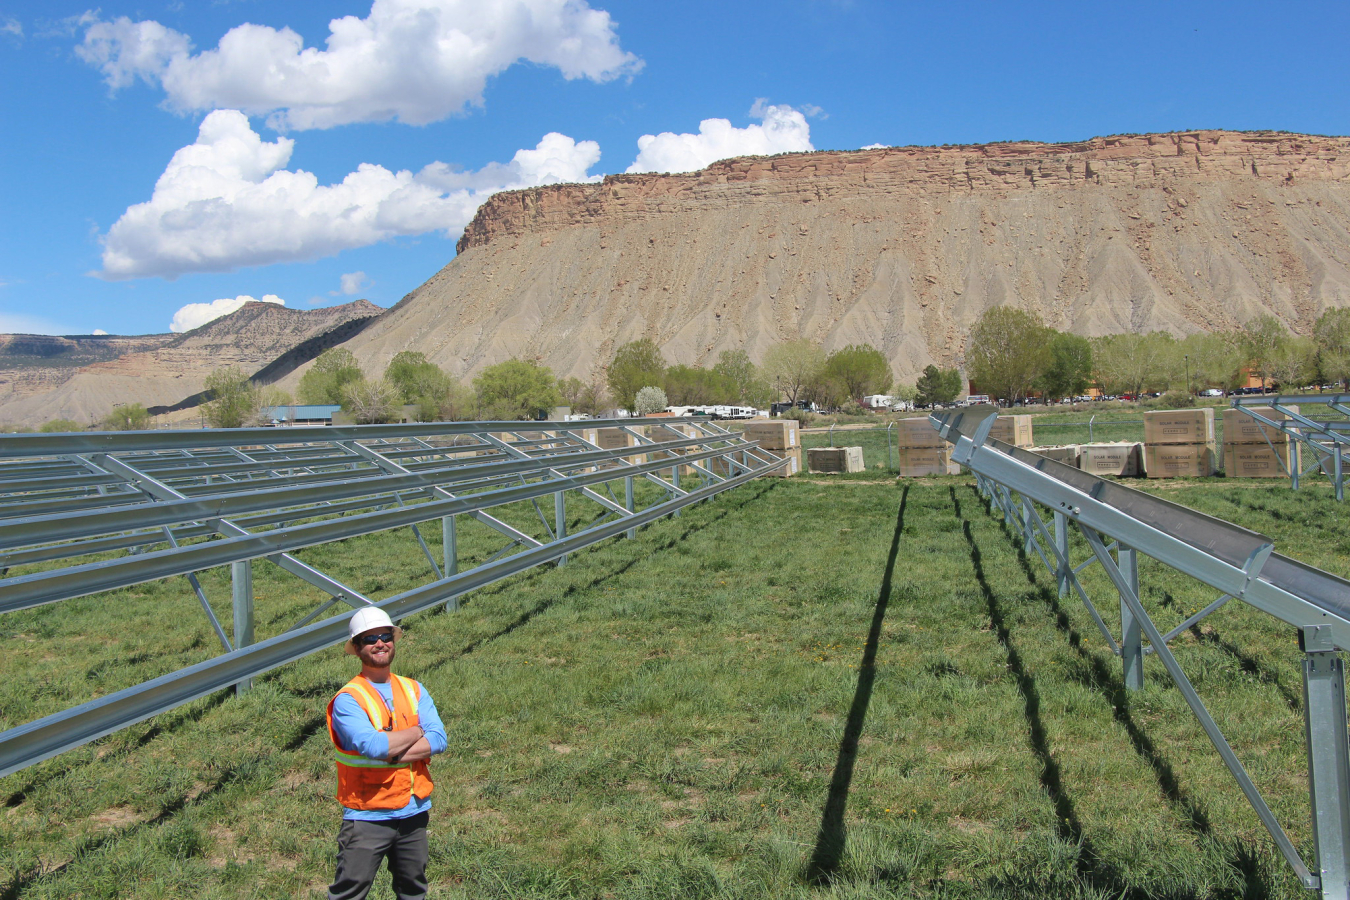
(181, 502)
(1327, 439)
(1238, 562)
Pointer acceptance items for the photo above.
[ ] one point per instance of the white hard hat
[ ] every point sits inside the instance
(364, 620)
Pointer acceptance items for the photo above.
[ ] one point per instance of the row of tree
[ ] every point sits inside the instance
(1012, 354)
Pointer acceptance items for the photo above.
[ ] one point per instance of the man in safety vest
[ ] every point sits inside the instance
(384, 729)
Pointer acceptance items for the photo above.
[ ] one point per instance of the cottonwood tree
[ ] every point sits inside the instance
(1007, 353)
(858, 370)
(371, 401)
(1214, 359)
(749, 385)
(1332, 334)
(61, 426)
(1263, 340)
(588, 399)
(127, 417)
(333, 370)
(515, 389)
(420, 383)
(635, 365)
(793, 366)
(235, 400)
(1295, 362)
(1133, 363)
(695, 386)
(1069, 371)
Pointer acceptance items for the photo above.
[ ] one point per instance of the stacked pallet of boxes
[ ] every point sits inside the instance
(1180, 443)
(676, 431)
(780, 438)
(1121, 459)
(921, 450)
(1252, 449)
(1015, 430)
(617, 439)
(834, 460)
(589, 435)
(1067, 454)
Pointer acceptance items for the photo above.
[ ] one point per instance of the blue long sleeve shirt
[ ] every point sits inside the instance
(356, 733)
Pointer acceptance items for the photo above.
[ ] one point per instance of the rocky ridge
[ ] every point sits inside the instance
(902, 247)
(155, 370)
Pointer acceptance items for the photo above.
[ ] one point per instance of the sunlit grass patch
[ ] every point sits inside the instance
(728, 706)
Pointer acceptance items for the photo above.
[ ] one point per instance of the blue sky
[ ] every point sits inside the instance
(351, 172)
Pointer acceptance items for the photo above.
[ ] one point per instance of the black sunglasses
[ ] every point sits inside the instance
(369, 639)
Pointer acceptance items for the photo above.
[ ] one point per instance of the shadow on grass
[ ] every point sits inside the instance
(163, 722)
(1100, 676)
(22, 881)
(1066, 819)
(831, 837)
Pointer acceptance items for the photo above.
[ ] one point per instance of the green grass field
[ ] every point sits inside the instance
(806, 688)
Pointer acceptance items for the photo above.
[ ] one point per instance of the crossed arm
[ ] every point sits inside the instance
(409, 745)
(403, 746)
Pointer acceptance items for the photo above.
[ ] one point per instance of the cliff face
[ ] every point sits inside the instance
(903, 248)
(155, 370)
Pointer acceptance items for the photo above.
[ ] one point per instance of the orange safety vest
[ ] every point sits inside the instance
(365, 783)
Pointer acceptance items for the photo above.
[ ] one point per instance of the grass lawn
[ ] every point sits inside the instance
(806, 688)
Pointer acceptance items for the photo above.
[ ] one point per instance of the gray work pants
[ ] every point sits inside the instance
(361, 847)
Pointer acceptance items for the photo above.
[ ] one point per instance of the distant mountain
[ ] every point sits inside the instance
(902, 247)
(82, 378)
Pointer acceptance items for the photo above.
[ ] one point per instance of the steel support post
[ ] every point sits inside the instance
(1062, 570)
(675, 480)
(628, 503)
(1338, 472)
(1131, 639)
(560, 521)
(241, 577)
(450, 553)
(1029, 534)
(1328, 759)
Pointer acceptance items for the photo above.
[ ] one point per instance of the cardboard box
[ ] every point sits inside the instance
(916, 462)
(1259, 460)
(1240, 428)
(794, 466)
(773, 434)
(917, 432)
(1121, 459)
(617, 439)
(1180, 460)
(1068, 454)
(1015, 430)
(833, 460)
(1179, 426)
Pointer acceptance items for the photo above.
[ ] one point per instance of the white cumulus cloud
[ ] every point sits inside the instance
(195, 315)
(227, 201)
(10, 26)
(416, 61)
(783, 130)
(353, 282)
